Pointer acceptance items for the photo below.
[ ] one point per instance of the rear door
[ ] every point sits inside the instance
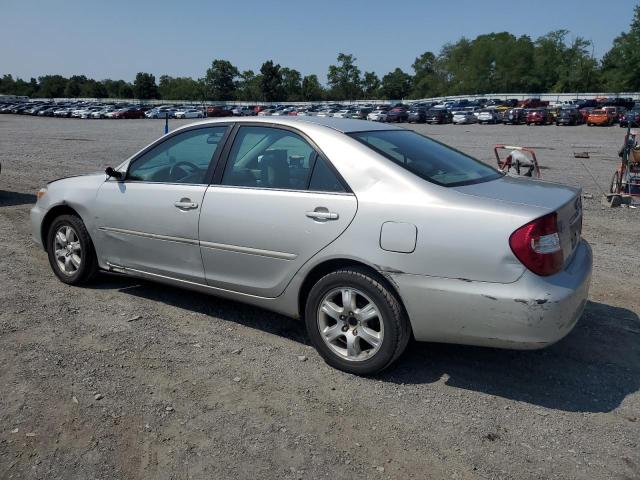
(277, 203)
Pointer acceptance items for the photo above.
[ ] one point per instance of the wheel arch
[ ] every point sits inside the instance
(331, 265)
(51, 215)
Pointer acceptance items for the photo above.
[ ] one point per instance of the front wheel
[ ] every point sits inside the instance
(356, 322)
(71, 253)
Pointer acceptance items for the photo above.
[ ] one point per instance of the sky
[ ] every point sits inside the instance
(118, 38)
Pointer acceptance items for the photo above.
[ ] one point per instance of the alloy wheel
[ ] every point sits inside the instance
(350, 324)
(67, 250)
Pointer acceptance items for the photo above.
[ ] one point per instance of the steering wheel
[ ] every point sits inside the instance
(172, 170)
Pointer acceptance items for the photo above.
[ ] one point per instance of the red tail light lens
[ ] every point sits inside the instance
(537, 245)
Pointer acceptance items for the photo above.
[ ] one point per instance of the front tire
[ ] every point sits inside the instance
(71, 253)
(356, 322)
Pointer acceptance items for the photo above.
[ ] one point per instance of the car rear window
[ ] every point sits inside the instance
(427, 158)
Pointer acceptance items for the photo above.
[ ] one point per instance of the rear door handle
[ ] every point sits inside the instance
(185, 204)
(322, 214)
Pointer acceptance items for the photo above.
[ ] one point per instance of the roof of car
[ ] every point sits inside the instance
(344, 125)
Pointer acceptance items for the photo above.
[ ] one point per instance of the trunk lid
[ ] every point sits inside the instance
(545, 196)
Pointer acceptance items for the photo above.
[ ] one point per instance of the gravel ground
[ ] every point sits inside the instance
(127, 379)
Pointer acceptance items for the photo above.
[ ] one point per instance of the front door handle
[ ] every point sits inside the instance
(322, 214)
(185, 204)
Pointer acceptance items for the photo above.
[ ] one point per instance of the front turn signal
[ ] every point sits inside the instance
(41, 193)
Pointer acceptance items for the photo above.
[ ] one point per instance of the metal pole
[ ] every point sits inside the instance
(166, 122)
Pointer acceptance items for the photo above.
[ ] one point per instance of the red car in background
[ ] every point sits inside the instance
(585, 113)
(219, 111)
(130, 112)
(532, 103)
(539, 116)
(615, 112)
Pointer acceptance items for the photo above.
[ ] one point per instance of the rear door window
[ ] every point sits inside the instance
(267, 157)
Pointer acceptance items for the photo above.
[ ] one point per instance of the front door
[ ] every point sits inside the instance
(278, 204)
(149, 220)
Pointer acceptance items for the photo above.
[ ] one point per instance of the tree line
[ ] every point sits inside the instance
(490, 63)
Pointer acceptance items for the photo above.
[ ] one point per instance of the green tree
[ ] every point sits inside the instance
(578, 71)
(621, 64)
(117, 88)
(548, 58)
(344, 78)
(74, 86)
(219, 80)
(311, 88)
(248, 86)
(51, 86)
(180, 88)
(292, 84)
(370, 85)
(426, 80)
(396, 85)
(271, 82)
(144, 86)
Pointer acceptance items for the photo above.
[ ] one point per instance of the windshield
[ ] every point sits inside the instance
(426, 158)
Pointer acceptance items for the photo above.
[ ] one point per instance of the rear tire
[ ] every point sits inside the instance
(615, 186)
(71, 253)
(361, 332)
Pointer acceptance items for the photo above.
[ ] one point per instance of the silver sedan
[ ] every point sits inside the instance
(371, 233)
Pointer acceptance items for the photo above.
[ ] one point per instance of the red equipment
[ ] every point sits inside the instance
(626, 178)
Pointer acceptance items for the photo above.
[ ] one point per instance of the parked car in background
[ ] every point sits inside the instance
(48, 112)
(489, 115)
(514, 116)
(63, 112)
(463, 117)
(506, 265)
(102, 113)
(585, 112)
(281, 111)
(379, 115)
(266, 112)
(600, 117)
(398, 115)
(128, 113)
(189, 113)
(631, 117)
(328, 112)
(219, 111)
(438, 115)
(569, 116)
(161, 112)
(344, 113)
(417, 115)
(361, 113)
(615, 112)
(539, 116)
(532, 103)
(243, 111)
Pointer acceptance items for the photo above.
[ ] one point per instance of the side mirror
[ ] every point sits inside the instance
(111, 172)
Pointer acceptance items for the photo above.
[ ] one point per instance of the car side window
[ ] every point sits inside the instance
(323, 179)
(184, 158)
(267, 157)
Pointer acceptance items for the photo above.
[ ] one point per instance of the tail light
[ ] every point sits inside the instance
(537, 245)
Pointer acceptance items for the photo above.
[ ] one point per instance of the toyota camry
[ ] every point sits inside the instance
(370, 233)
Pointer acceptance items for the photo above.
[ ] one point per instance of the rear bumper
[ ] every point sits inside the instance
(531, 313)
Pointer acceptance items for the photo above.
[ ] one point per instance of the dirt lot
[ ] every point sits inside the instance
(127, 379)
